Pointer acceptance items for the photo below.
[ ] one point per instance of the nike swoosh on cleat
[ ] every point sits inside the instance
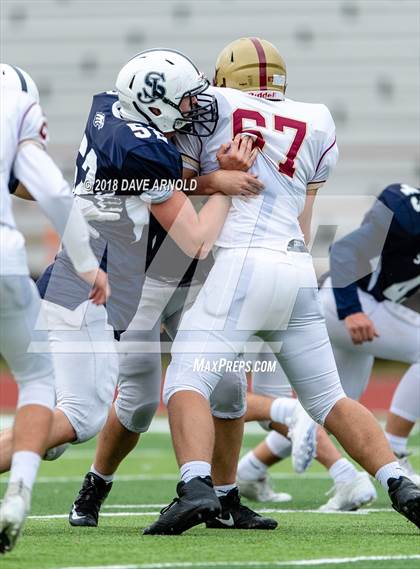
(229, 522)
(75, 515)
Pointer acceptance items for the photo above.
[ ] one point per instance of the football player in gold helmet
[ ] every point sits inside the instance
(252, 65)
(299, 154)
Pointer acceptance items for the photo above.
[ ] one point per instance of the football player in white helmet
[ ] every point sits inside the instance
(23, 143)
(18, 79)
(123, 146)
(167, 89)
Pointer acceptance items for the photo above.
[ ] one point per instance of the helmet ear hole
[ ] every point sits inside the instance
(157, 112)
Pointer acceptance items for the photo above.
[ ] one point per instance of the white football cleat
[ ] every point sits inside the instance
(408, 468)
(302, 433)
(13, 511)
(350, 496)
(261, 491)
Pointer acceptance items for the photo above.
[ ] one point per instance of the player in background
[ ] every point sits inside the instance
(263, 283)
(379, 265)
(374, 272)
(22, 148)
(292, 433)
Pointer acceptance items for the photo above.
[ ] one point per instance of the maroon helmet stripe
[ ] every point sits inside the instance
(262, 63)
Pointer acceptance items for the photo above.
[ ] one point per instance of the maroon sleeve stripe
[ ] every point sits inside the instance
(324, 153)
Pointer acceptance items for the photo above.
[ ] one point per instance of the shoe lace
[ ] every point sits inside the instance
(166, 508)
(89, 497)
(245, 510)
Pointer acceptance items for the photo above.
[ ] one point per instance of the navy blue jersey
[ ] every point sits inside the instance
(389, 234)
(119, 167)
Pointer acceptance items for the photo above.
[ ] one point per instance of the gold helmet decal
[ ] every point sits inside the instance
(253, 65)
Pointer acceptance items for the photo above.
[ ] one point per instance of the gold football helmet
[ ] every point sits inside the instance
(253, 65)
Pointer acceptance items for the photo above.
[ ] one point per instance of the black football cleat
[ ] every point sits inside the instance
(85, 509)
(237, 516)
(405, 498)
(196, 503)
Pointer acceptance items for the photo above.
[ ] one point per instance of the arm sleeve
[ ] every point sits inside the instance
(155, 170)
(38, 173)
(350, 258)
(33, 126)
(190, 149)
(326, 151)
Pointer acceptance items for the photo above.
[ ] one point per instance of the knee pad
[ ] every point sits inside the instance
(138, 391)
(228, 400)
(39, 391)
(136, 419)
(55, 452)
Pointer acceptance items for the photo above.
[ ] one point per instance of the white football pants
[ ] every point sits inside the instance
(33, 371)
(271, 294)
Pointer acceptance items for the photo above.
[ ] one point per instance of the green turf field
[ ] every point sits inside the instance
(147, 481)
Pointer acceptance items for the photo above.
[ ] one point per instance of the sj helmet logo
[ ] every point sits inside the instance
(154, 88)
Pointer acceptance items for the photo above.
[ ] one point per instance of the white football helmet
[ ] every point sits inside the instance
(158, 80)
(12, 77)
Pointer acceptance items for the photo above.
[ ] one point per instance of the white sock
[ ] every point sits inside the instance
(107, 477)
(195, 468)
(398, 444)
(24, 467)
(391, 470)
(251, 468)
(224, 489)
(282, 409)
(342, 471)
(279, 445)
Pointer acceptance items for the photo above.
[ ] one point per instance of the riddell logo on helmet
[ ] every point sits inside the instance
(157, 90)
(277, 95)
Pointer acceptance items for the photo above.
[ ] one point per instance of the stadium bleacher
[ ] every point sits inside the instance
(355, 60)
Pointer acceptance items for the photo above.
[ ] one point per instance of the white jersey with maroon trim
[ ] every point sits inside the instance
(298, 152)
(21, 120)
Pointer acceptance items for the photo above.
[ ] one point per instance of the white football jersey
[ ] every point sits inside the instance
(298, 152)
(21, 119)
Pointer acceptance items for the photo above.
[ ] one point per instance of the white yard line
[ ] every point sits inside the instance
(256, 564)
(156, 513)
(170, 477)
(103, 515)
(262, 511)
(132, 506)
